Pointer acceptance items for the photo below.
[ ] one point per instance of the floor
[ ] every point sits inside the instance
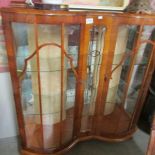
(135, 146)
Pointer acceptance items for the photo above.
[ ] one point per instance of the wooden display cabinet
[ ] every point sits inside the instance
(77, 75)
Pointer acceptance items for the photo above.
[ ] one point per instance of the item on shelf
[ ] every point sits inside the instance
(55, 7)
(18, 4)
(115, 5)
(141, 6)
(52, 1)
(29, 2)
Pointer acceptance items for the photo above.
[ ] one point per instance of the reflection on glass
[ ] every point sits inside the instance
(139, 69)
(93, 67)
(122, 56)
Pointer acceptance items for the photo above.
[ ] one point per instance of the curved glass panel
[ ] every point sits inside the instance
(128, 71)
(139, 68)
(121, 64)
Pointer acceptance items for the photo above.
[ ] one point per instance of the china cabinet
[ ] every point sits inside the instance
(77, 75)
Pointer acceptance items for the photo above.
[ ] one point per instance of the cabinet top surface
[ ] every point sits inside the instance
(29, 11)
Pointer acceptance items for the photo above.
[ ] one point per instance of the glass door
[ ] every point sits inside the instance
(47, 61)
(94, 59)
(130, 62)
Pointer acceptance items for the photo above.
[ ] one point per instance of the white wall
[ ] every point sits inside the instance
(8, 122)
